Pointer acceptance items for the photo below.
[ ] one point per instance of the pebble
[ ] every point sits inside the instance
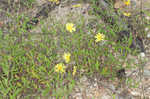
(142, 54)
(135, 93)
(78, 96)
(148, 35)
(84, 79)
(40, 2)
(147, 17)
(95, 85)
(106, 96)
(146, 29)
(146, 73)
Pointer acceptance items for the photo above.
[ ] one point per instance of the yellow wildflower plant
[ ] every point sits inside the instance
(99, 37)
(74, 70)
(66, 57)
(60, 68)
(76, 5)
(56, 1)
(126, 14)
(70, 27)
(127, 2)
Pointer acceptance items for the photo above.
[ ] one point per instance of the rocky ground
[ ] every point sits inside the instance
(93, 87)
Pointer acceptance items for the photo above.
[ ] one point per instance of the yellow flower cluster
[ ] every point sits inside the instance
(56, 1)
(126, 14)
(127, 3)
(70, 27)
(74, 70)
(99, 37)
(76, 5)
(60, 68)
(66, 57)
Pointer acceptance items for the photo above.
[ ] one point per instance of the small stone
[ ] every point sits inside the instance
(112, 87)
(83, 79)
(95, 79)
(134, 93)
(142, 54)
(146, 29)
(148, 35)
(95, 85)
(146, 73)
(78, 96)
(147, 17)
(106, 96)
(40, 2)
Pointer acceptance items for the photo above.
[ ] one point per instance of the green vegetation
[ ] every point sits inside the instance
(27, 66)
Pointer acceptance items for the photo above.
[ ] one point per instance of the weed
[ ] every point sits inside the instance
(49, 65)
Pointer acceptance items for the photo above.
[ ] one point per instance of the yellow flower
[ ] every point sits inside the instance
(127, 2)
(76, 5)
(66, 57)
(99, 37)
(126, 14)
(70, 27)
(60, 68)
(74, 70)
(56, 1)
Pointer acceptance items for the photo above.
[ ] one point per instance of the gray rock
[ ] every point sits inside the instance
(146, 73)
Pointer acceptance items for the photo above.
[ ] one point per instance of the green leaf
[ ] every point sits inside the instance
(1, 33)
(46, 91)
(97, 65)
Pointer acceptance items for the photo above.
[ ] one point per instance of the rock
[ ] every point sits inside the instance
(125, 94)
(135, 93)
(77, 96)
(142, 54)
(148, 35)
(146, 29)
(106, 96)
(133, 3)
(147, 17)
(146, 73)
